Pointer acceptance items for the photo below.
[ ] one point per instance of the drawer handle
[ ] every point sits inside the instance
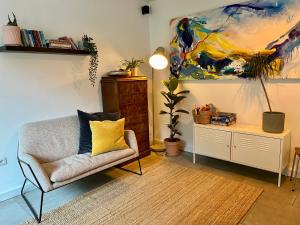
(227, 146)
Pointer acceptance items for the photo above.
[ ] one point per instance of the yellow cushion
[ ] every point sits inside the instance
(107, 136)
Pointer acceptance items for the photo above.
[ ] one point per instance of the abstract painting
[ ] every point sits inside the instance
(218, 44)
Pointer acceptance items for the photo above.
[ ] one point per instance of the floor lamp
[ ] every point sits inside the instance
(158, 61)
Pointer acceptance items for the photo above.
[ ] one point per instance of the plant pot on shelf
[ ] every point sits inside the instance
(134, 71)
(273, 122)
(173, 146)
(11, 35)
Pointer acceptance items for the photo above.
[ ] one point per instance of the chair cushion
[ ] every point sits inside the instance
(85, 139)
(75, 165)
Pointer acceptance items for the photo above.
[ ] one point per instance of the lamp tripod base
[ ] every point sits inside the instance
(158, 147)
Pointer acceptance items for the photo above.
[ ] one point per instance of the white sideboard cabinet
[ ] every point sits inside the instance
(244, 144)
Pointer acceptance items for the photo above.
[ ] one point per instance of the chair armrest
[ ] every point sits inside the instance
(36, 172)
(130, 139)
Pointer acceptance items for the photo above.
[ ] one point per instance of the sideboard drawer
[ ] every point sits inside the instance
(257, 151)
(213, 143)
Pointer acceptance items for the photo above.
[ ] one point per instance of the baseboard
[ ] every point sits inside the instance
(10, 194)
(188, 148)
(15, 192)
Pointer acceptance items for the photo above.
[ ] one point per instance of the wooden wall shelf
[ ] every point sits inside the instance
(37, 50)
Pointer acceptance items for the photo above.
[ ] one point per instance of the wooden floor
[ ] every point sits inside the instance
(276, 206)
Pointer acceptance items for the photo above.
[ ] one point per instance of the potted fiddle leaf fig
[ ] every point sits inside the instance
(262, 67)
(92, 48)
(132, 65)
(172, 143)
(11, 32)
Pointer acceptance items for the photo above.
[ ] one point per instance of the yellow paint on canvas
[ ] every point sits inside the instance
(218, 47)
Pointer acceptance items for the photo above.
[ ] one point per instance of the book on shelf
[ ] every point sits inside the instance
(32, 41)
(56, 43)
(70, 41)
(33, 38)
(37, 39)
(24, 40)
(44, 42)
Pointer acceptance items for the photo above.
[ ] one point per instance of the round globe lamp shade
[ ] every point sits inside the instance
(159, 60)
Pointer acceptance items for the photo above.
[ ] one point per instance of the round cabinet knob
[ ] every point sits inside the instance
(227, 146)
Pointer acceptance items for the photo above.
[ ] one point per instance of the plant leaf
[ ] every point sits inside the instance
(179, 99)
(174, 119)
(165, 83)
(183, 92)
(169, 105)
(170, 126)
(182, 111)
(166, 96)
(163, 112)
(179, 133)
(173, 84)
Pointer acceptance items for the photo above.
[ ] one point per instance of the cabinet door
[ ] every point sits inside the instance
(257, 151)
(213, 143)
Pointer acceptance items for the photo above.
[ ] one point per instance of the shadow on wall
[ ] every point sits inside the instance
(251, 91)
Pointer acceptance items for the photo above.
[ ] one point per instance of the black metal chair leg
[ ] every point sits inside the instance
(141, 172)
(138, 173)
(38, 217)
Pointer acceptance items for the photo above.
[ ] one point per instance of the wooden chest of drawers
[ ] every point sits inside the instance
(129, 97)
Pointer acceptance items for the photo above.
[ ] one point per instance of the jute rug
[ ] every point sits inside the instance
(167, 193)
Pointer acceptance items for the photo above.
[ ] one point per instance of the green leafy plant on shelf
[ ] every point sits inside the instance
(94, 61)
(14, 22)
(132, 65)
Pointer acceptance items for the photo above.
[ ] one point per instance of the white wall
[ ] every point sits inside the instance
(35, 87)
(243, 97)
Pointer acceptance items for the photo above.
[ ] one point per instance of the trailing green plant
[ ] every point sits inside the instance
(173, 98)
(14, 22)
(131, 64)
(92, 48)
(262, 67)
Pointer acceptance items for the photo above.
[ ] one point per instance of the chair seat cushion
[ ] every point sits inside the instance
(75, 165)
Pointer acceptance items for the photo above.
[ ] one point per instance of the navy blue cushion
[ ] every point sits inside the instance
(85, 139)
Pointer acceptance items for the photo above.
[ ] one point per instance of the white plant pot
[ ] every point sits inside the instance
(11, 35)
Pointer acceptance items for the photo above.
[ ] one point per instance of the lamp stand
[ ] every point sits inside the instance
(155, 147)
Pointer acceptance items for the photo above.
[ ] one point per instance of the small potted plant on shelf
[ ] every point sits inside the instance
(132, 65)
(11, 32)
(262, 67)
(172, 143)
(92, 48)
